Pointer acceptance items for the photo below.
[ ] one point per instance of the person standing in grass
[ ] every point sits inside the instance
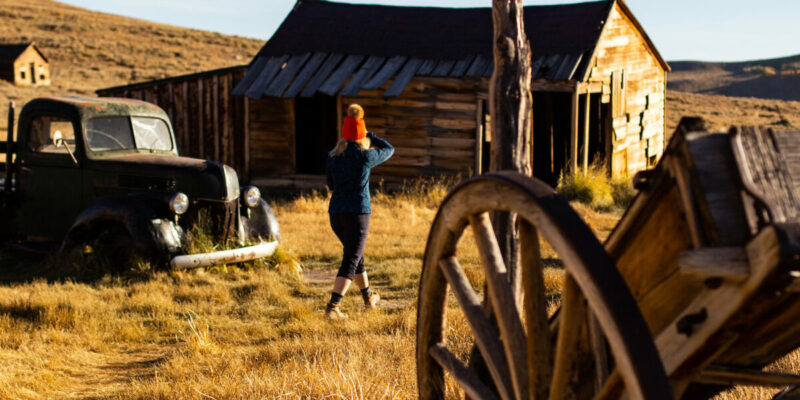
(348, 168)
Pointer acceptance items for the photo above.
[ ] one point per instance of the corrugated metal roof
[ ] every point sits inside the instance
(322, 44)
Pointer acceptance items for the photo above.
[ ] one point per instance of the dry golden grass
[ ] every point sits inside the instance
(248, 333)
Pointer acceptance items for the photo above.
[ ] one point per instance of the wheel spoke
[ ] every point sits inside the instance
(612, 388)
(486, 336)
(599, 351)
(540, 347)
(472, 385)
(571, 318)
(503, 303)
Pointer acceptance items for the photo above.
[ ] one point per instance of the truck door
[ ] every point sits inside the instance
(49, 181)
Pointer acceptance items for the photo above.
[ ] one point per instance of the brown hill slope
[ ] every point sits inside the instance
(723, 111)
(89, 50)
(777, 78)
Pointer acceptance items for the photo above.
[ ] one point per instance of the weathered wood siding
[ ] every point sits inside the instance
(272, 136)
(432, 126)
(208, 121)
(639, 94)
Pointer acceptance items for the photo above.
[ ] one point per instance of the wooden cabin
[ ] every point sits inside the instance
(422, 75)
(24, 65)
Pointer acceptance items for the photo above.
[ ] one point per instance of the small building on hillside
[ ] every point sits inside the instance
(422, 76)
(24, 65)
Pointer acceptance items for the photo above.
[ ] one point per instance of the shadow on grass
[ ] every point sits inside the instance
(16, 267)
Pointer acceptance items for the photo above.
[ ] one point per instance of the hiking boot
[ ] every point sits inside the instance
(372, 301)
(333, 312)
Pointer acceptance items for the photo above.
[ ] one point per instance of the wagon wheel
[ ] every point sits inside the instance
(564, 356)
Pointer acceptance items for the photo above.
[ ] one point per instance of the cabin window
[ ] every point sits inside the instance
(316, 132)
(41, 77)
(22, 74)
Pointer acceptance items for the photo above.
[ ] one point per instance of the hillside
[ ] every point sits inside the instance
(723, 111)
(89, 50)
(777, 78)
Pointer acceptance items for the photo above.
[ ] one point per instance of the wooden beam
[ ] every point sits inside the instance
(573, 134)
(720, 375)
(727, 263)
(545, 85)
(586, 119)
(479, 137)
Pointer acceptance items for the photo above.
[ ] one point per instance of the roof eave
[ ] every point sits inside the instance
(650, 45)
(587, 69)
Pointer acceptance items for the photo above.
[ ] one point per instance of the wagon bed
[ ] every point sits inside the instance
(695, 290)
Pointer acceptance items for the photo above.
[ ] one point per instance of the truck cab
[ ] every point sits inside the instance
(88, 167)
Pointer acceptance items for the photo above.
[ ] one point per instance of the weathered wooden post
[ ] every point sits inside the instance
(511, 114)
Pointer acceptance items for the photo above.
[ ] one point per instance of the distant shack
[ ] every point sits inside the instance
(422, 75)
(24, 65)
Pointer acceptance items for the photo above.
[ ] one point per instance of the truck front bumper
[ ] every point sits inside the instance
(188, 261)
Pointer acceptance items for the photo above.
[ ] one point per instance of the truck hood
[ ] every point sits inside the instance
(197, 178)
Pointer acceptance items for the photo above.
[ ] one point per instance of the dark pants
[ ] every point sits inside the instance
(352, 230)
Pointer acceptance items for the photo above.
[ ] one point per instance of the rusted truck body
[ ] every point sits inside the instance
(106, 171)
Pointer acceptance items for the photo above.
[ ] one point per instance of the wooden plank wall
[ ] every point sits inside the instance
(208, 121)
(431, 124)
(272, 137)
(639, 130)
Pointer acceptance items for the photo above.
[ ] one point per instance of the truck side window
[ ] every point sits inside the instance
(42, 130)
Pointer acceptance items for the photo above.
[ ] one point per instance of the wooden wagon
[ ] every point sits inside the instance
(694, 291)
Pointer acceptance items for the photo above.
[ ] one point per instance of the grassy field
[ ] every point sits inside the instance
(241, 333)
(254, 332)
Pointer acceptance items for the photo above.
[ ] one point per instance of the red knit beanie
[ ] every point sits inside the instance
(354, 127)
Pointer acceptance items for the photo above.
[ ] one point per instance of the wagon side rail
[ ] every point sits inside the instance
(710, 249)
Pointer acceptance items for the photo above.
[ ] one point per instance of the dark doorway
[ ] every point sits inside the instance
(551, 132)
(316, 132)
(33, 73)
(599, 132)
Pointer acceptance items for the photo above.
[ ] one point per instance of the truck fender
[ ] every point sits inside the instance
(147, 220)
(260, 222)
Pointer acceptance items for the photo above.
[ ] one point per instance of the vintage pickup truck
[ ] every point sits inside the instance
(105, 174)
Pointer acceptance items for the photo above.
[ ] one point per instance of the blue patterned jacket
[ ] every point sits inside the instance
(348, 176)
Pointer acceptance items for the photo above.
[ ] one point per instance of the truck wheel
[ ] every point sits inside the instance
(99, 251)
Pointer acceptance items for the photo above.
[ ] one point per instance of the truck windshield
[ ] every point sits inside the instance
(123, 133)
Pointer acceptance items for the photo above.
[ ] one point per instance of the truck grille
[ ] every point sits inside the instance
(218, 219)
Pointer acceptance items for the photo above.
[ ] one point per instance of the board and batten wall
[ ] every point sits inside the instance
(634, 82)
(208, 121)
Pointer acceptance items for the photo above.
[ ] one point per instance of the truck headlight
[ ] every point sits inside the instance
(251, 196)
(179, 203)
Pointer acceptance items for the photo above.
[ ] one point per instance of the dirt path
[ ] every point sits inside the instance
(322, 279)
(107, 375)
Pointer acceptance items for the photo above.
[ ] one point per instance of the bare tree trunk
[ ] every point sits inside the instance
(511, 115)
